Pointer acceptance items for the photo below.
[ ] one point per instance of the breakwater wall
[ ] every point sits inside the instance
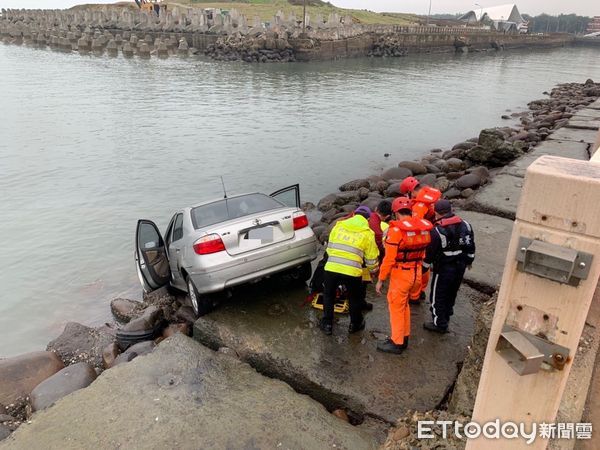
(229, 36)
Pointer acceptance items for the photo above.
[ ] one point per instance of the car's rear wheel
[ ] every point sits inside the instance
(201, 304)
(302, 273)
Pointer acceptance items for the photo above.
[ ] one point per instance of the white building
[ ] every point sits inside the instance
(503, 17)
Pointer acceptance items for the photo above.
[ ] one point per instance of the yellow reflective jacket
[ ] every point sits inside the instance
(352, 245)
(366, 273)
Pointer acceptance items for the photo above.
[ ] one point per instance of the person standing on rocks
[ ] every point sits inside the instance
(351, 246)
(405, 245)
(423, 199)
(451, 251)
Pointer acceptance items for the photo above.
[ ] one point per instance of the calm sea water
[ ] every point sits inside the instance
(88, 145)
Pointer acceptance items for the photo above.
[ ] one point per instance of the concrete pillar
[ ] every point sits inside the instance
(543, 300)
(144, 50)
(161, 50)
(127, 50)
(112, 48)
(183, 49)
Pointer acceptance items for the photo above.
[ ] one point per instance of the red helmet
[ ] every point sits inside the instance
(401, 203)
(409, 184)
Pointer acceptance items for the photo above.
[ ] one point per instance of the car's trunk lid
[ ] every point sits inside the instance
(256, 231)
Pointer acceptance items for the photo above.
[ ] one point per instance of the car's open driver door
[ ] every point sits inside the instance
(151, 256)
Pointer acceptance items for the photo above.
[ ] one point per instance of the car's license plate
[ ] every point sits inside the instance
(265, 234)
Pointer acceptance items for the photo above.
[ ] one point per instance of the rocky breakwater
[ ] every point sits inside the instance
(256, 46)
(35, 381)
(461, 170)
(388, 45)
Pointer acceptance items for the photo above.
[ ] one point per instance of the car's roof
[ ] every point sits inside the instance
(229, 197)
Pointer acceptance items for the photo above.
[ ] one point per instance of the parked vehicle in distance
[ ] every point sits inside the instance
(219, 244)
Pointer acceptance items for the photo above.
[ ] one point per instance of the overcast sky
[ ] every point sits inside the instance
(534, 7)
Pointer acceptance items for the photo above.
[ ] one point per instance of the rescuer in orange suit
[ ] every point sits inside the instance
(423, 201)
(405, 245)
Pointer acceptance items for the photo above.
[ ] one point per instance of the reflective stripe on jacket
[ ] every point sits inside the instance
(352, 245)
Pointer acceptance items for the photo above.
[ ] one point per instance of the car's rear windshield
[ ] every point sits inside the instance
(232, 208)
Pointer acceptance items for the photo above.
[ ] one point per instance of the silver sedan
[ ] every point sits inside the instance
(223, 243)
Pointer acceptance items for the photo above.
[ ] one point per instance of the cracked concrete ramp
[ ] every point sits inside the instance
(574, 134)
(565, 149)
(499, 198)
(186, 396)
(268, 327)
(492, 236)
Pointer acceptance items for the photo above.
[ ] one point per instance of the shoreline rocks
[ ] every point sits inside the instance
(467, 166)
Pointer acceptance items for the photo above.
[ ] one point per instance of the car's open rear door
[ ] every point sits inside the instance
(151, 256)
(289, 196)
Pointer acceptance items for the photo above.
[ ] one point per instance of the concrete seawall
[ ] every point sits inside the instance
(227, 36)
(412, 42)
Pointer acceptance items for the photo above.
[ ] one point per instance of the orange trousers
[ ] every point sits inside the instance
(424, 283)
(405, 283)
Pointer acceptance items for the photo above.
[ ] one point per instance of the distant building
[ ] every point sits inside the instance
(594, 25)
(502, 18)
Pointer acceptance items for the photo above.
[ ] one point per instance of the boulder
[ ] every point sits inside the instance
(350, 207)
(147, 321)
(185, 313)
(466, 145)
(109, 354)
(456, 153)
(363, 193)
(494, 157)
(327, 202)
(80, 343)
(442, 184)
(4, 432)
(124, 309)
(393, 190)
(173, 328)
(139, 349)
(521, 136)
(67, 380)
(318, 230)
(371, 202)
(431, 168)
(454, 164)
(346, 197)
(466, 193)
(355, 185)
(396, 173)
(19, 375)
(482, 172)
(455, 175)
(329, 215)
(441, 164)
(381, 186)
(469, 180)
(491, 138)
(592, 91)
(307, 206)
(452, 193)
(428, 180)
(415, 167)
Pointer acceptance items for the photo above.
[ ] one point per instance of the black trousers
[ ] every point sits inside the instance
(445, 282)
(355, 298)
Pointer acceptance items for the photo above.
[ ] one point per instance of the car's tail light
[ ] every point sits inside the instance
(209, 244)
(300, 220)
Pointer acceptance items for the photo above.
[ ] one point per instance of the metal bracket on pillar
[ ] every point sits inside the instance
(561, 264)
(528, 354)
